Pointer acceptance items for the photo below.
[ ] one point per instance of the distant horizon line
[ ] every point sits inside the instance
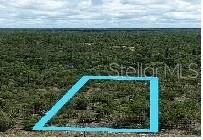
(99, 28)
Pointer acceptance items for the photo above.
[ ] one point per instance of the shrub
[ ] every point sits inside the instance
(5, 122)
(30, 122)
(80, 104)
(84, 118)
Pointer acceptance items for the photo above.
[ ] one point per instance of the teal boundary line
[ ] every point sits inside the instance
(154, 106)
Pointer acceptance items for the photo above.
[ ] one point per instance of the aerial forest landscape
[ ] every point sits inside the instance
(38, 66)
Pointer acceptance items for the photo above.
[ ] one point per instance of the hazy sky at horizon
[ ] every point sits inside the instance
(100, 14)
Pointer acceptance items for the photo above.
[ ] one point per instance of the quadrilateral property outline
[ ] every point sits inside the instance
(154, 106)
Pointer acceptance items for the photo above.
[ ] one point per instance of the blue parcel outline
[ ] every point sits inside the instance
(154, 110)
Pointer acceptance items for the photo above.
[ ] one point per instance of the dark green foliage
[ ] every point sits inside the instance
(29, 122)
(5, 122)
(84, 118)
(81, 104)
(37, 67)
